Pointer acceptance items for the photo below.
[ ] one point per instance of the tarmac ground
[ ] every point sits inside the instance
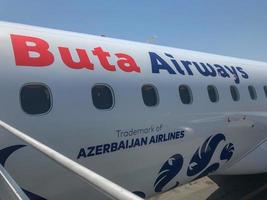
(243, 187)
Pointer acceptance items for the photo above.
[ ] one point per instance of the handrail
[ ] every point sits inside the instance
(9, 189)
(100, 183)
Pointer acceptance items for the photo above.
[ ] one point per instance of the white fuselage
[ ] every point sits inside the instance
(142, 148)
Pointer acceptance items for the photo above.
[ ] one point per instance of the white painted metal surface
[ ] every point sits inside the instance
(100, 183)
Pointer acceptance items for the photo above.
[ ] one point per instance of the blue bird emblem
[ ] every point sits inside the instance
(203, 155)
(168, 171)
(227, 152)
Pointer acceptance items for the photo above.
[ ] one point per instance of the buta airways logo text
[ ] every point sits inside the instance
(36, 52)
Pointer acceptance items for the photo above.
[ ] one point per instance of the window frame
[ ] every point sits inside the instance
(265, 90)
(112, 94)
(157, 95)
(50, 94)
(236, 91)
(252, 89)
(190, 94)
(216, 93)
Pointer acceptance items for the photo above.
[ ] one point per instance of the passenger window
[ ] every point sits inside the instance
(252, 92)
(150, 95)
(234, 93)
(185, 94)
(213, 93)
(265, 90)
(102, 96)
(35, 99)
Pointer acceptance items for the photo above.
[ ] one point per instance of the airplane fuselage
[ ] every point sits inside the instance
(146, 148)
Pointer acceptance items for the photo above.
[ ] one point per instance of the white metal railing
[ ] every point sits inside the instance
(100, 183)
(9, 189)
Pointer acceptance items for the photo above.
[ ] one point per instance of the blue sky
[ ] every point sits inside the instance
(234, 28)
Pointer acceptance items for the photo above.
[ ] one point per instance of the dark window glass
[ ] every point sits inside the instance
(185, 94)
(102, 97)
(213, 93)
(35, 99)
(234, 93)
(265, 90)
(252, 92)
(150, 96)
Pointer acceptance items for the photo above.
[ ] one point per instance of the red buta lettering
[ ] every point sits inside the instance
(127, 63)
(83, 56)
(24, 45)
(34, 52)
(103, 58)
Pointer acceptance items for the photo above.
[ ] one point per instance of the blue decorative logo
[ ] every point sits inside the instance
(140, 194)
(168, 171)
(203, 155)
(6, 152)
(227, 152)
(208, 170)
(199, 164)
